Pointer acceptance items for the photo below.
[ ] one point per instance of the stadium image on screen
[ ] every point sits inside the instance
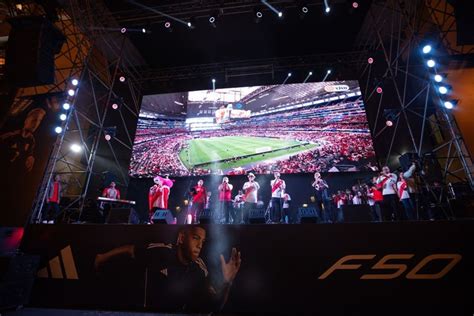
(292, 128)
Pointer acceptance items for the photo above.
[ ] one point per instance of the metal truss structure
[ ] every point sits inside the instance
(341, 63)
(91, 116)
(394, 32)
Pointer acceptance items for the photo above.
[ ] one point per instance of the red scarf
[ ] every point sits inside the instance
(248, 191)
(402, 188)
(276, 185)
(382, 184)
(152, 198)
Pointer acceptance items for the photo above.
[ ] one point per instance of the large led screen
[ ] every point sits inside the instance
(292, 128)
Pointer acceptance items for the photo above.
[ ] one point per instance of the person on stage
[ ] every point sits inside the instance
(404, 196)
(387, 181)
(238, 207)
(375, 199)
(289, 217)
(322, 198)
(250, 189)
(53, 199)
(199, 195)
(278, 189)
(158, 195)
(225, 197)
(111, 192)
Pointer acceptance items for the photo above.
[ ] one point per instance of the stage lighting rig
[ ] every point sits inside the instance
(258, 14)
(430, 63)
(277, 12)
(439, 77)
(427, 49)
(76, 148)
(444, 89)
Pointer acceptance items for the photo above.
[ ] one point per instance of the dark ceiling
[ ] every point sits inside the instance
(236, 35)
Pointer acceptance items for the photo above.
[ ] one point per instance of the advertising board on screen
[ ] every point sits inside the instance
(292, 128)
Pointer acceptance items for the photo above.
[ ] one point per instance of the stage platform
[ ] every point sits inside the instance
(285, 268)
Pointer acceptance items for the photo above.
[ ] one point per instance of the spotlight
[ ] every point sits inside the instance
(389, 123)
(122, 79)
(62, 117)
(75, 82)
(167, 24)
(75, 148)
(443, 89)
(304, 9)
(329, 71)
(289, 74)
(212, 20)
(310, 73)
(190, 25)
(448, 104)
(66, 106)
(71, 92)
(258, 14)
(143, 30)
(115, 106)
(327, 10)
(123, 30)
(438, 78)
(431, 63)
(213, 80)
(280, 14)
(370, 60)
(426, 49)
(58, 129)
(355, 5)
(379, 90)
(108, 137)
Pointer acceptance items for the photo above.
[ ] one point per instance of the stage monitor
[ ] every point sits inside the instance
(292, 128)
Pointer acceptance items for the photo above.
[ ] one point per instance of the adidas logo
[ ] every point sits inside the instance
(60, 267)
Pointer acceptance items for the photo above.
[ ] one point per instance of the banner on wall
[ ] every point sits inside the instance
(26, 139)
(273, 268)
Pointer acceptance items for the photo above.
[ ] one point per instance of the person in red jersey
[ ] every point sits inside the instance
(225, 200)
(199, 196)
(111, 192)
(53, 199)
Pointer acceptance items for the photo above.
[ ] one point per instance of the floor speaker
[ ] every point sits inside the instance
(162, 217)
(307, 215)
(356, 213)
(206, 216)
(257, 216)
(122, 216)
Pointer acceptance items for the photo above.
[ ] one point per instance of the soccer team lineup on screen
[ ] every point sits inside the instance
(292, 128)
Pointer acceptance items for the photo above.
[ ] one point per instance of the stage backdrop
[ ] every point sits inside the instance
(425, 266)
(26, 139)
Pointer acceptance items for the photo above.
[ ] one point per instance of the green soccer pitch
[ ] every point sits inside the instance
(205, 152)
